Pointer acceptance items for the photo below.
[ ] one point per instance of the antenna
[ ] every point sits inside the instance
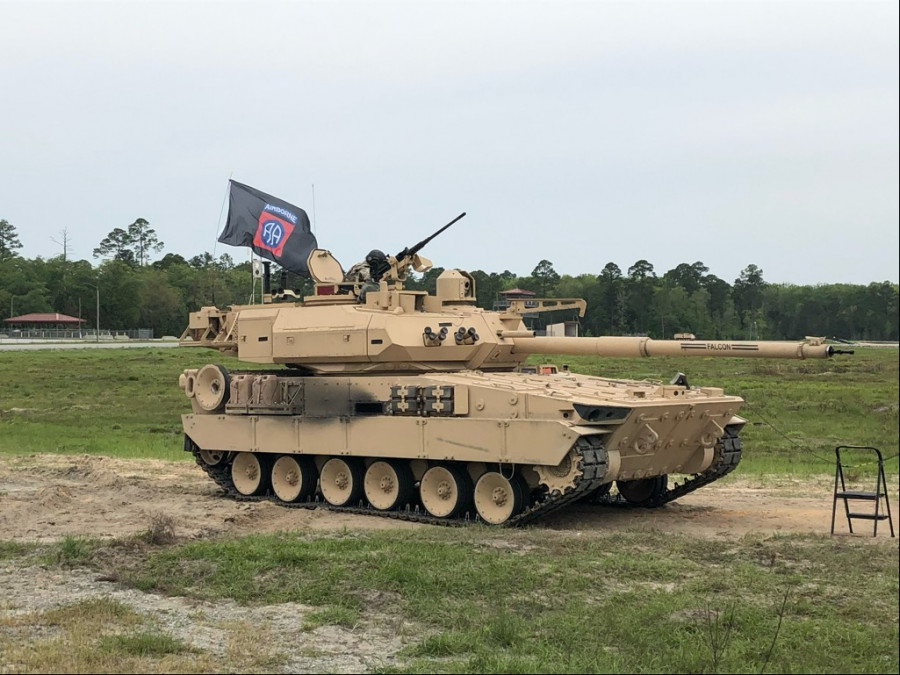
(314, 207)
(209, 269)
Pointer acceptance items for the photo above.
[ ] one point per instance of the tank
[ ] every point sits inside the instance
(401, 403)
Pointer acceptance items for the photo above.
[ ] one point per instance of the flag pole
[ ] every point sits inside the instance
(253, 281)
(221, 212)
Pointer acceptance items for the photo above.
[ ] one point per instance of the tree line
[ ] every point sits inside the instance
(135, 292)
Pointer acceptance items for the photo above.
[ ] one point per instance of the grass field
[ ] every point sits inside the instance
(480, 599)
(483, 600)
(127, 402)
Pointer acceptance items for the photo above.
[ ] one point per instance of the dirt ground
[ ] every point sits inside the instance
(45, 497)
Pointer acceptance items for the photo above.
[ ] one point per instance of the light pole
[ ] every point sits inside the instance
(97, 288)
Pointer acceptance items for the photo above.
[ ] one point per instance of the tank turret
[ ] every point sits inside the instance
(392, 329)
(399, 402)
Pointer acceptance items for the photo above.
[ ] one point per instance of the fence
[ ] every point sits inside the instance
(77, 334)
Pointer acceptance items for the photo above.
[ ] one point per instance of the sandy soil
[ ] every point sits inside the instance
(46, 497)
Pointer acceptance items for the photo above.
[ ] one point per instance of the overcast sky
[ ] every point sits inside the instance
(583, 133)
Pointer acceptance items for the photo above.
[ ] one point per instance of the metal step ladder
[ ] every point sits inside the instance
(854, 495)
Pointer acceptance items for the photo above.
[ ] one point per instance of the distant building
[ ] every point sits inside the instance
(46, 321)
(43, 325)
(563, 329)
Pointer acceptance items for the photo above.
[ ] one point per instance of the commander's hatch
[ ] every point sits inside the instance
(324, 268)
(327, 274)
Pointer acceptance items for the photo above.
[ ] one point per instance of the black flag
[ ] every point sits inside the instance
(270, 226)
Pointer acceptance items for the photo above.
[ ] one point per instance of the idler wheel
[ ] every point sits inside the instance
(213, 457)
(250, 473)
(388, 484)
(211, 388)
(341, 480)
(294, 478)
(498, 498)
(644, 491)
(446, 491)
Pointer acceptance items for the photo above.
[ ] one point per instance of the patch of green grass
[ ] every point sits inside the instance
(100, 612)
(118, 402)
(146, 643)
(539, 601)
(332, 615)
(13, 549)
(449, 643)
(71, 550)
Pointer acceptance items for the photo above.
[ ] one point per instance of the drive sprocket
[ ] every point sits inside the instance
(563, 476)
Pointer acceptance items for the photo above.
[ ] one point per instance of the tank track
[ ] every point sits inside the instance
(592, 463)
(725, 460)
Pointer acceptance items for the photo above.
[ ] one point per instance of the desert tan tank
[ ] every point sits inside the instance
(401, 403)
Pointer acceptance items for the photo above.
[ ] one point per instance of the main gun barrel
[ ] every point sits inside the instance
(627, 347)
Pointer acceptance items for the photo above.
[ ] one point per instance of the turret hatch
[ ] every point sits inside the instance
(324, 268)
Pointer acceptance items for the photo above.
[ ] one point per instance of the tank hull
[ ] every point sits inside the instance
(561, 437)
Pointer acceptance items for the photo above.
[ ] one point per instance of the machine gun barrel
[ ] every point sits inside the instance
(410, 252)
(640, 346)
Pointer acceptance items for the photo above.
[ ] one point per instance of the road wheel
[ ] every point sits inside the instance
(341, 481)
(388, 484)
(294, 478)
(250, 473)
(498, 498)
(446, 491)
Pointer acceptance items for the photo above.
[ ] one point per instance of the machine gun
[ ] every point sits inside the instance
(409, 257)
(410, 252)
